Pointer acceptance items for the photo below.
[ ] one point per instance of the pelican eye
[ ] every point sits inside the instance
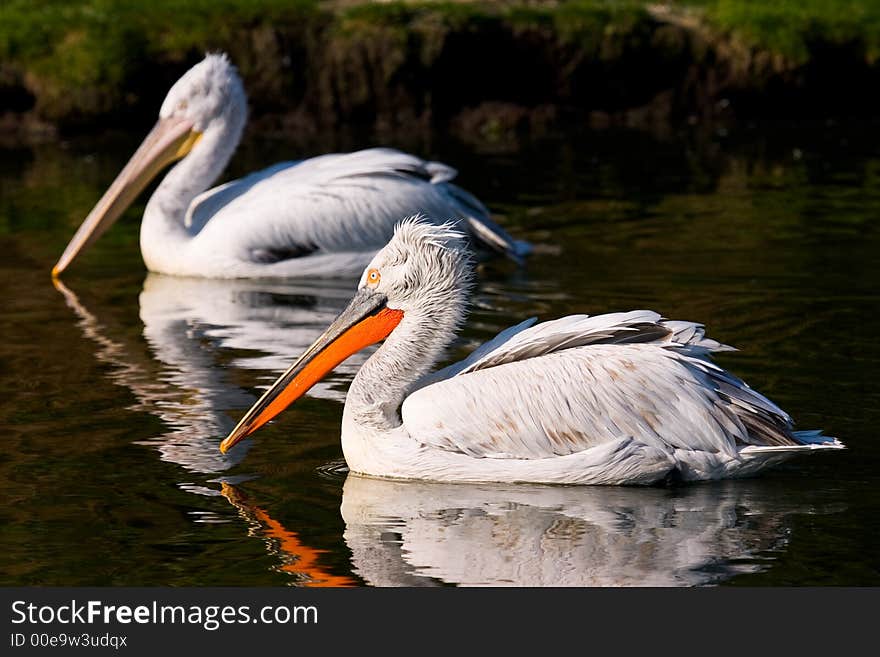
(373, 277)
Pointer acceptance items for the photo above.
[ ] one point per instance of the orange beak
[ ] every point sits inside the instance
(366, 320)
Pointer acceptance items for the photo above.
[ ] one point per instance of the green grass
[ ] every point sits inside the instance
(787, 27)
(36, 29)
(84, 57)
(31, 28)
(78, 53)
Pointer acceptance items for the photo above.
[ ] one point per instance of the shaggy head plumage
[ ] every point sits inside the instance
(425, 267)
(209, 91)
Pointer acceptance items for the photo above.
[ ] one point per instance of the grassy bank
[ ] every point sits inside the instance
(80, 63)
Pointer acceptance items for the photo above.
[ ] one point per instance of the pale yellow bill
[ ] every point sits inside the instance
(168, 141)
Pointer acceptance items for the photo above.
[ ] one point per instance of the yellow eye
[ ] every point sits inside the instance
(373, 277)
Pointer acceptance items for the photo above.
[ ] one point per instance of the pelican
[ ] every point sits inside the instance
(621, 398)
(324, 216)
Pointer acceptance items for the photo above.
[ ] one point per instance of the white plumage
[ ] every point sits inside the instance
(323, 216)
(624, 398)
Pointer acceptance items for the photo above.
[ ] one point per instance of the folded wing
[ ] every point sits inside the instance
(339, 202)
(561, 387)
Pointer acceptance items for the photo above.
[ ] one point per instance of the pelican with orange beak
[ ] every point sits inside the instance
(621, 398)
(323, 216)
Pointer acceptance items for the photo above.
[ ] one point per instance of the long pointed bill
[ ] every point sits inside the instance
(169, 140)
(367, 320)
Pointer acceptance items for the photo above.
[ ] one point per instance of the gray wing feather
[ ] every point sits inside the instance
(485, 231)
(637, 326)
(560, 387)
(440, 173)
(336, 203)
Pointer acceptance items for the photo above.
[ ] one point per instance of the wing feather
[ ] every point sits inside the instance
(337, 203)
(526, 340)
(563, 386)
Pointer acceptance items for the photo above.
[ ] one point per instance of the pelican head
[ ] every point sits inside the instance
(423, 266)
(419, 281)
(208, 93)
(207, 100)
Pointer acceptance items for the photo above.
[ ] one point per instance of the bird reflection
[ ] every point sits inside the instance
(414, 533)
(417, 533)
(190, 327)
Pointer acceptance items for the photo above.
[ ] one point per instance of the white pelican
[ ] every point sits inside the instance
(623, 398)
(323, 216)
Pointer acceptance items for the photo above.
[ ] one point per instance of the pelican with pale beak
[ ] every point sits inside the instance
(172, 138)
(323, 216)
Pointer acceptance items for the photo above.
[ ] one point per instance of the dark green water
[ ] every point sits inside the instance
(116, 390)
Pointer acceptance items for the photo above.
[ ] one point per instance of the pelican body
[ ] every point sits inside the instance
(622, 398)
(323, 216)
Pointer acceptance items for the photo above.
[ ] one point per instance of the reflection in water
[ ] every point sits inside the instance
(270, 322)
(416, 533)
(191, 393)
(296, 558)
(275, 321)
(188, 324)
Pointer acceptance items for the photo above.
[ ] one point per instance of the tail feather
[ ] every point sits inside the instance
(492, 236)
(485, 231)
(817, 438)
(807, 441)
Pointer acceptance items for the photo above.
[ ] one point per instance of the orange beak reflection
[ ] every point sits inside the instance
(366, 320)
(299, 559)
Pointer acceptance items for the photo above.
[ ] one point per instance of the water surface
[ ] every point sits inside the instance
(117, 386)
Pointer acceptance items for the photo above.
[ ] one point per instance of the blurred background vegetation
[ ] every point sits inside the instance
(72, 65)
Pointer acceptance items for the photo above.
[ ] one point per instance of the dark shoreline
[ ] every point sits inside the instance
(478, 71)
